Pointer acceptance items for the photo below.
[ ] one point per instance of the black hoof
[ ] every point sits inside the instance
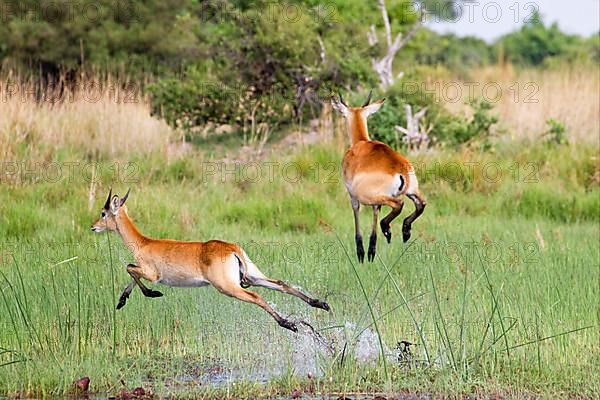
(320, 304)
(385, 229)
(360, 250)
(284, 323)
(372, 247)
(122, 302)
(405, 234)
(154, 293)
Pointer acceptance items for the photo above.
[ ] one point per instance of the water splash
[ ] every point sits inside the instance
(269, 352)
(367, 348)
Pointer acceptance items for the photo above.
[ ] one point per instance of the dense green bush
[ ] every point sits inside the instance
(133, 37)
(279, 61)
(405, 92)
(447, 128)
(263, 63)
(457, 54)
(462, 130)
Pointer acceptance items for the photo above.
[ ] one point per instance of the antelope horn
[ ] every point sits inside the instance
(368, 99)
(342, 99)
(107, 204)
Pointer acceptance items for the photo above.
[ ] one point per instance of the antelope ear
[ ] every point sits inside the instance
(115, 204)
(372, 108)
(124, 198)
(338, 104)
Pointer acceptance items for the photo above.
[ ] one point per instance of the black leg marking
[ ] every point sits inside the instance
(373, 237)
(406, 231)
(125, 295)
(385, 229)
(360, 250)
(372, 246)
(147, 292)
(287, 324)
(152, 293)
(319, 304)
(385, 222)
(407, 224)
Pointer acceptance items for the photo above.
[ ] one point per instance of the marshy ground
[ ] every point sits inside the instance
(497, 290)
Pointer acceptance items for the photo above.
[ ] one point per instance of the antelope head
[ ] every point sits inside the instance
(356, 117)
(363, 111)
(109, 213)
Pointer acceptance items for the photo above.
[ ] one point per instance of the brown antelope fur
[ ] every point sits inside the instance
(226, 266)
(376, 175)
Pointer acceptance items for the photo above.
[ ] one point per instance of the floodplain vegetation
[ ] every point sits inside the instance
(496, 293)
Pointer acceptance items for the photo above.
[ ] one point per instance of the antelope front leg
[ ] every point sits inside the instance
(360, 250)
(136, 273)
(373, 237)
(125, 294)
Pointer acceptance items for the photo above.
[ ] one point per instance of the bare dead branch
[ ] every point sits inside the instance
(416, 135)
(372, 36)
(322, 46)
(386, 22)
(383, 67)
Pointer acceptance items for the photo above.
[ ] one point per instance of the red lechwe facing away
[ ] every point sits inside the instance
(224, 265)
(376, 175)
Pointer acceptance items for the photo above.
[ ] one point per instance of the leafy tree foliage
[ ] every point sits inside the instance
(149, 36)
(245, 62)
(536, 43)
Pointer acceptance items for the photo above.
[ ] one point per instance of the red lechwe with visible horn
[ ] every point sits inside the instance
(376, 175)
(224, 265)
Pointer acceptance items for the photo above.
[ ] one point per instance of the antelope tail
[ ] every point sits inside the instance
(244, 281)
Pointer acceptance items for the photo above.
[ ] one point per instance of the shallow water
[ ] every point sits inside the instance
(307, 353)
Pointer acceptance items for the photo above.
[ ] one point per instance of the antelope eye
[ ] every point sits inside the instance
(103, 214)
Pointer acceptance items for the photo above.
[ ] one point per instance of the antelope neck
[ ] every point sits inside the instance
(131, 236)
(357, 125)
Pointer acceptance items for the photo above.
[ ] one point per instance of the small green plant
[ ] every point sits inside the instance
(483, 120)
(555, 134)
(456, 130)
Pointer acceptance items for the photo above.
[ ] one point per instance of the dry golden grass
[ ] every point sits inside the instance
(99, 116)
(530, 97)
(105, 120)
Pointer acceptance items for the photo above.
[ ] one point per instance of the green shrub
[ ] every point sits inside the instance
(448, 129)
(407, 91)
(555, 134)
(454, 131)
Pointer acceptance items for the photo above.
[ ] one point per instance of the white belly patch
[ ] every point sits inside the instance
(177, 280)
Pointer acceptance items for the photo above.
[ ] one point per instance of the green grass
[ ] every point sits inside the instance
(490, 310)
